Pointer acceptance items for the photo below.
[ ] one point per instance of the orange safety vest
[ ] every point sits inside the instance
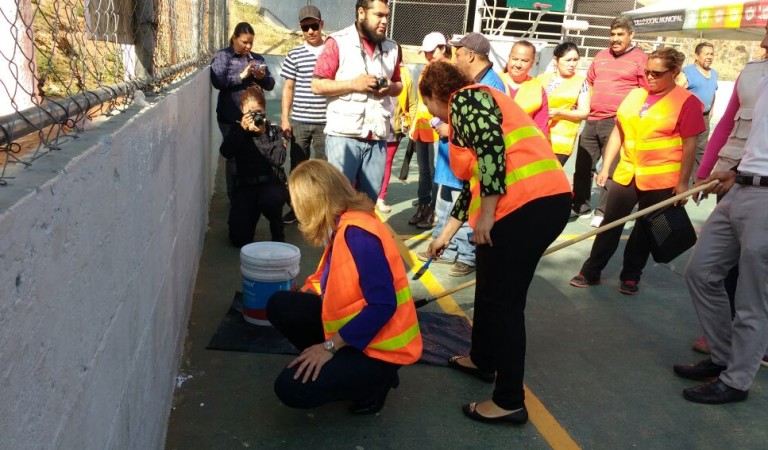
(528, 94)
(652, 150)
(422, 129)
(399, 340)
(532, 171)
(563, 132)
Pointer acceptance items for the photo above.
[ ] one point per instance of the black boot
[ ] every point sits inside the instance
(374, 404)
(421, 211)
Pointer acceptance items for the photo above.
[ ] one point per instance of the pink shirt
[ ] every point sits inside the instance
(328, 61)
(612, 77)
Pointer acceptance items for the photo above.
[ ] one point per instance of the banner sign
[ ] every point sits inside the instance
(750, 14)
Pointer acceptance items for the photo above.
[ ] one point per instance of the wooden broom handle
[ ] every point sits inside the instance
(586, 235)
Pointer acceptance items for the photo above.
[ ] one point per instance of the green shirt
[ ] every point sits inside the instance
(476, 123)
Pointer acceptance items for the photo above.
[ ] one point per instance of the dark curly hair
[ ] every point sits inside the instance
(440, 79)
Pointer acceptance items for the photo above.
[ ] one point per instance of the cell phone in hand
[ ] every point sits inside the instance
(698, 197)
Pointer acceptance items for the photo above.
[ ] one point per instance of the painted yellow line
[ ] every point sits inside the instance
(549, 428)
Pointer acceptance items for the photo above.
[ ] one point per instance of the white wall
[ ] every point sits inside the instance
(98, 255)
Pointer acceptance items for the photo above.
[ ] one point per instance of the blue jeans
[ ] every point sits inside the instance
(425, 158)
(361, 161)
(459, 248)
(307, 138)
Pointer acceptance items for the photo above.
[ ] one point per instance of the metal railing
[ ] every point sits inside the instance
(64, 62)
(548, 26)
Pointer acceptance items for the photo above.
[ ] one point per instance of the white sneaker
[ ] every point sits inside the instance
(382, 206)
(596, 221)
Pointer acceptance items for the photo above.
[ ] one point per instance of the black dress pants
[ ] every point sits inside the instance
(350, 375)
(248, 204)
(591, 147)
(504, 273)
(621, 201)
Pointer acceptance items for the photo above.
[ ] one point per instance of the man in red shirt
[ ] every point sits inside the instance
(358, 71)
(613, 73)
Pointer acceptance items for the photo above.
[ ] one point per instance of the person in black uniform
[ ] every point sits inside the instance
(259, 150)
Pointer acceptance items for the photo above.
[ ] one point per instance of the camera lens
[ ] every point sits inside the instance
(258, 118)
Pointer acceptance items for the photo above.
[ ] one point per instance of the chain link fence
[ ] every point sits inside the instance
(411, 20)
(64, 62)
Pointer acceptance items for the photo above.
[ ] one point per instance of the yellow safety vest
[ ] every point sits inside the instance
(528, 95)
(652, 150)
(563, 132)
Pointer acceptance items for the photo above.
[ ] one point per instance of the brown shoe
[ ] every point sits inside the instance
(428, 221)
(424, 257)
(419, 215)
(460, 269)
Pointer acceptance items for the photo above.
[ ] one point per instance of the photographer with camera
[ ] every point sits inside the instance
(233, 70)
(359, 87)
(259, 149)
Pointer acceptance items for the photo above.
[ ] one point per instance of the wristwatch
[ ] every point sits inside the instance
(330, 346)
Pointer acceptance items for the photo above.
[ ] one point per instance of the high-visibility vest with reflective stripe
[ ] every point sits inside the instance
(563, 132)
(652, 150)
(532, 171)
(528, 94)
(399, 340)
(422, 129)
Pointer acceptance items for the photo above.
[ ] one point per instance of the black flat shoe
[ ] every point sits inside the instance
(714, 393)
(374, 404)
(702, 370)
(488, 377)
(518, 417)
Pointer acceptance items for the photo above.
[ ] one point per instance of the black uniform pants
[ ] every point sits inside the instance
(621, 201)
(350, 375)
(504, 273)
(248, 203)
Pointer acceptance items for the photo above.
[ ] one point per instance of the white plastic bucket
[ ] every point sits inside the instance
(267, 267)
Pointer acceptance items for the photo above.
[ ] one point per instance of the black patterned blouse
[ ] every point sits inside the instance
(476, 123)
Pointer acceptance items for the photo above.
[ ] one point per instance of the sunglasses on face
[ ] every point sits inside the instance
(311, 26)
(655, 73)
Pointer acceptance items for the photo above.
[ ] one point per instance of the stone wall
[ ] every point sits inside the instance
(98, 256)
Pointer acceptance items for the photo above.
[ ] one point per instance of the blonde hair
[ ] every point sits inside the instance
(319, 194)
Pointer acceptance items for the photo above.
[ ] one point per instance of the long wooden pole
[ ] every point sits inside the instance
(616, 223)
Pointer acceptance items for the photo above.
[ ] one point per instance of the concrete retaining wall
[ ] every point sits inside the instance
(98, 256)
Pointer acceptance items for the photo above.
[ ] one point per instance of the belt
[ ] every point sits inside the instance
(752, 180)
(247, 181)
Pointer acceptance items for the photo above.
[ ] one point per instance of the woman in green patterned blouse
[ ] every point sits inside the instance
(517, 199)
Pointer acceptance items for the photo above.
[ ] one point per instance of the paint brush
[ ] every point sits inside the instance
(423, 269)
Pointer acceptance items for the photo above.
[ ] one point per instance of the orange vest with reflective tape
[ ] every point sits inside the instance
(652, 151)
(528, 94)
(532, 171)
(563, 132)
(422, 129)
(399, 340)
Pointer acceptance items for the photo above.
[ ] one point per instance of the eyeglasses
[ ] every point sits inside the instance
(312, 26)
(655, 73)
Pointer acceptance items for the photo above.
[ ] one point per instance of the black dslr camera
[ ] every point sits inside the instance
(381, 83)
(258, 118)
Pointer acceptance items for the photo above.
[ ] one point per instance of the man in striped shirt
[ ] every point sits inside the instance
(303, 113)
(613, 73)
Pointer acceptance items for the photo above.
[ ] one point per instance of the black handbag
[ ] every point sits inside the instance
(669, 231)
(407, 160)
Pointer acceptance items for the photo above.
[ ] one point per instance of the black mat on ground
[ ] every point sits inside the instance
(443, 335)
